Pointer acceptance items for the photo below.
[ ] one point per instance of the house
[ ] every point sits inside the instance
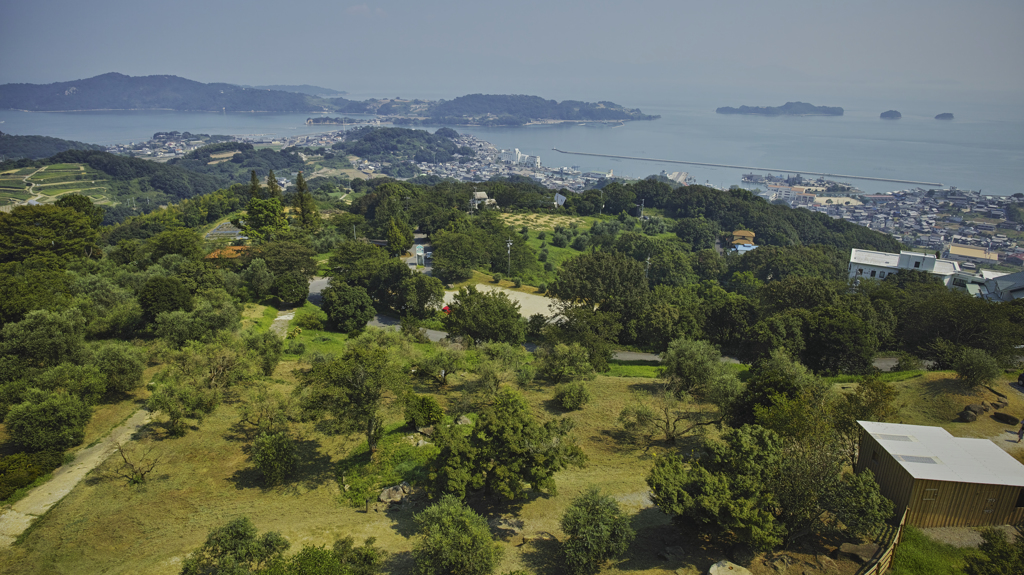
(877, 265)
(942, 480)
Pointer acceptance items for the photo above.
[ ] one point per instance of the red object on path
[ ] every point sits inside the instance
(447, 310)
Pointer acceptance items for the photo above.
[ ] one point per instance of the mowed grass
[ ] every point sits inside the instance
(920, 555)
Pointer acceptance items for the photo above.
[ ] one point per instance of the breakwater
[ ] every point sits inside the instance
(844, 176)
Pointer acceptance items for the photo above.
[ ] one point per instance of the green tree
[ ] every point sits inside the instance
(267, 347)
(348, 308)
(264, 220)
(121, 363)
(454, 541)
(443, 362)
(291, 287)
(563, 363)
(999, 555)
(273, 453)
(46, 229)
(163, 294)
(180, 241)
(354, 388)
(82, 204)
(48, 421)
(399, 236)
(43, 339)
(421, 296)
(975, 367)
(259, 277)
(596, 529)
(255, 189)
(273, 188)
(507, 450)
(485, 316)
(236, 548)
(308, 214)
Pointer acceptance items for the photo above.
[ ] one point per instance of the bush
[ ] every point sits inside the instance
(581, 242)
(543, 287)
(541, 235)
(572, 396)
(310, 319)
(422, 411)
(548, 267)
(559, 240)
(268, 349)
(274, 455)
(48, 421)
(542, 256)
(597, 530)
(121, 364)
(496, 278)
(537, 321)
(295, 347)
(21, 469)
(235, 548)
(517, 282)
(975, 367)
(454, 540)
(907, 362)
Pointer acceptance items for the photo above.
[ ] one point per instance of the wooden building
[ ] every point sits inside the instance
(943, 481)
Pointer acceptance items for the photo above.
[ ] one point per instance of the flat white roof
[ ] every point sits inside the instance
(932, 453)
(871, 258)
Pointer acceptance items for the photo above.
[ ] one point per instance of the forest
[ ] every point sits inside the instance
(37, 147)
(457, 454)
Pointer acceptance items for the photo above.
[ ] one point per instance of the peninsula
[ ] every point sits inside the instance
(787, 109)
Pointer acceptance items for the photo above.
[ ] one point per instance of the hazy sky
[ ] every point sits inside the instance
(634, 52)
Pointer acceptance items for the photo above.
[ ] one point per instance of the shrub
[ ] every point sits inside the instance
(541, 235)
(975, 367)
(542, 256)
(517, 282)
(559, 240)
(295, 347)
(310, 319)
(543, 287)
(121, 364)
(21, 469)
(454, 540)
(548, 267)
(48, 421)
(422, 411)
(496, 278)
(235, 548)
(907, 362)
(572, 396)
(537, 321)
(597, 530)
(274, 455)
(581, 242)
(268, 349)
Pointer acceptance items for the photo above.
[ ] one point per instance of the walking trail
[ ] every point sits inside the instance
(16, 519)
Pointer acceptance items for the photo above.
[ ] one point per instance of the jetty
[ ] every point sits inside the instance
(847, 176)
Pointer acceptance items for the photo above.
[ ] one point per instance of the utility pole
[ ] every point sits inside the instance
(647, 271)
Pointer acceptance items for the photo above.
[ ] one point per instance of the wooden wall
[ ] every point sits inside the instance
(951, 504)
(938, 503)
(895, 482)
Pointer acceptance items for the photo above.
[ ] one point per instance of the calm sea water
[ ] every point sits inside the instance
(969, 153)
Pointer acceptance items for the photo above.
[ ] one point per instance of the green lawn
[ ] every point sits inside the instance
(919, 555)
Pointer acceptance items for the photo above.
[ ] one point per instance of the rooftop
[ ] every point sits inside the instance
(932, 453)
(870, 258)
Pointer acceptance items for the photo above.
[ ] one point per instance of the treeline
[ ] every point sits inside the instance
(237, 167)
(36, 147)
(398, 147)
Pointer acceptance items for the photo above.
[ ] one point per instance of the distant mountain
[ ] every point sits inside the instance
(515, 110)
(119, 92)
(302, 89)
(788, 109)
(36, 147)
(891, 115)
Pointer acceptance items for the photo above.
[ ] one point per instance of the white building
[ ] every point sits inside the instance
(514, 156)
(877, 265)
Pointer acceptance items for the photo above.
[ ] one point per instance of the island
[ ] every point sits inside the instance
(891, 115)
(788, 109)
(115, 91)
(333, 121)
(944, 116)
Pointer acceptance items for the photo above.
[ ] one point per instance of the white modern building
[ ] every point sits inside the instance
(514, 156)
(877, 265)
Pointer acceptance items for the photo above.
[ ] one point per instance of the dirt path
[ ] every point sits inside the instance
(15, 520)
(280, 325)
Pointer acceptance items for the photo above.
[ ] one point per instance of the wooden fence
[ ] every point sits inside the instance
(885, 557)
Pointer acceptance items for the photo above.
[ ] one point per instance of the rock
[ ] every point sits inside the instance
(978, 408)
(968, 416)
(428, 431)
(724, 567)
(422, 443)
(672, 553)
(395, 494)
(687, 571)
(1005, 418)
(742, 554)
(859, 553)
(463, 420)
(780, 564)
(510, 525)
(827, 565)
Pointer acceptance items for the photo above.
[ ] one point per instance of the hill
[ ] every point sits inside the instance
(302, 89)
(788, 109)
(520, 109)
(115, 91)
(890, 115)
(35, 147)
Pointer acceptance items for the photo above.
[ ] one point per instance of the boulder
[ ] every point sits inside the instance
(1005, 418)
(422, 443)
(428, 431)
(395, 493)
(968, 416)
(463, 420)
(978, 408)
(672, 553)
(859, 553)
(724, 567)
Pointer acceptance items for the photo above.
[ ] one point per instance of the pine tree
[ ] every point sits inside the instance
(273, 188)
(254, 186)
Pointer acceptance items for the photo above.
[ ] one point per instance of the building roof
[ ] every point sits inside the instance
(871, 258)
(932, 453)
(971, 252)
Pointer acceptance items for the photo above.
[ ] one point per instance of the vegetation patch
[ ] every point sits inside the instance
(363, 475)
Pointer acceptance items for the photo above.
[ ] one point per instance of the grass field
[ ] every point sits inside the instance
(205, 479)
(919, 555)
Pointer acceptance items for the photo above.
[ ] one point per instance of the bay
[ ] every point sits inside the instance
(983, 153)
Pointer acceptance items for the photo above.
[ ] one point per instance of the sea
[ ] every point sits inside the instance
(975, 151)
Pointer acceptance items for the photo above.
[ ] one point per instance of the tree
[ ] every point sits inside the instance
(291, 287)
(82, 204)
(121, 364)
(507, 450)
(975, 368)
(596, 331)
(163, 294)
(454, 540)
(305, 205)
(999, 555)
(445, 360)
(563, 363)
(43, 339)
(259, 277)
(348, 308)
(273, 453)
(268, 347)
(421, 296)
(48, 421)
(343, 559)
(45, 229)
(652, 414)
(696, 368)
(597, 530)
(353, 389)
(180, 241)
(485, 316)
(399, 236)
(235, 548)
(264, 220)
(776, 374)
(873, 400)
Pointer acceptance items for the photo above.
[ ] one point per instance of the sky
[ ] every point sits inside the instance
(726, 51)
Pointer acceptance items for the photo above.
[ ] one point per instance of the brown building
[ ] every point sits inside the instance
(943, 481)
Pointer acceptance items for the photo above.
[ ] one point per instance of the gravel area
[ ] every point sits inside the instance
(963, 536)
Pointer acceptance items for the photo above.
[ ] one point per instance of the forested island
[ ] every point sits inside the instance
(944, 116)
(787, 109)
(115, 91)
(891, 115)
